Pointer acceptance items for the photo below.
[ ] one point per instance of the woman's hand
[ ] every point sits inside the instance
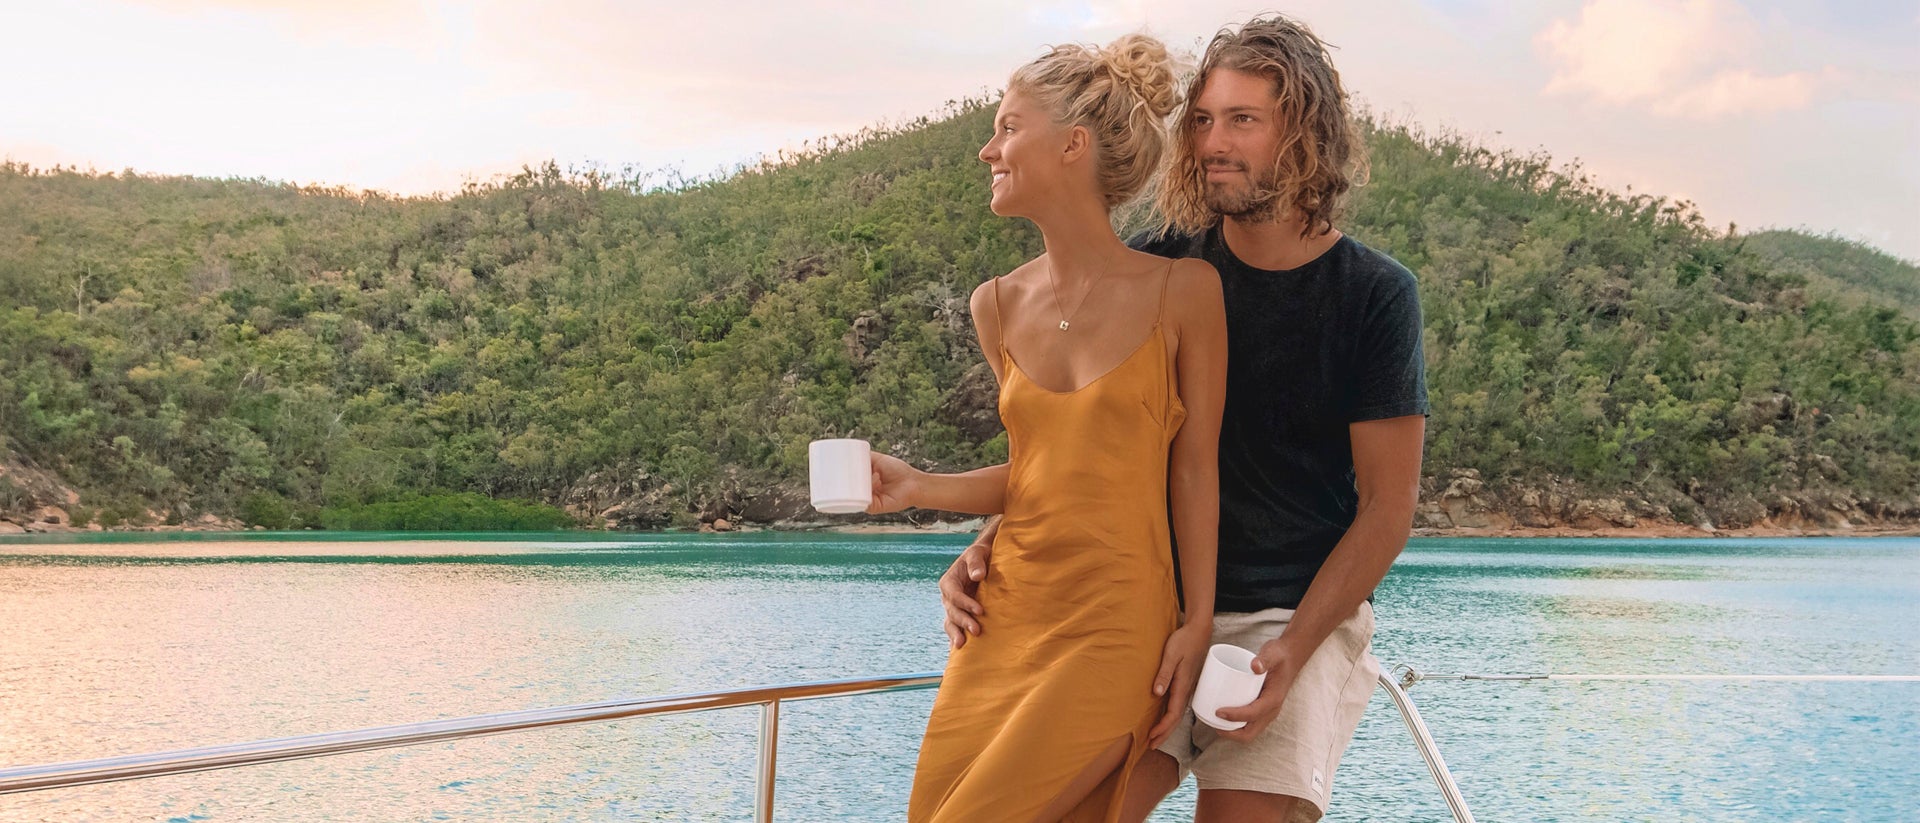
(1180, 663)
(895, 484)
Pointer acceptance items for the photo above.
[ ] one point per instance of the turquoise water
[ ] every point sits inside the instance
(124, 645)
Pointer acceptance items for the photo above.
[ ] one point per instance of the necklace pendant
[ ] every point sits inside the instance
(1063, 325)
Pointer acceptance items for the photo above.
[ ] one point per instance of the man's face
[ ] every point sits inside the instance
(1236, 136)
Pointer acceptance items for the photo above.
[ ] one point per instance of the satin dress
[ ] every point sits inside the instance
(1079, 596)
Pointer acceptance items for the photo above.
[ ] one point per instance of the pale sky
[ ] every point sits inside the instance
(1765, 113)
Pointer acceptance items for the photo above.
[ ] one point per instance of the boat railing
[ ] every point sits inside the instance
(767, 698)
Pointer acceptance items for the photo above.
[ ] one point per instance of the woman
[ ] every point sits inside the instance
(1112, 368)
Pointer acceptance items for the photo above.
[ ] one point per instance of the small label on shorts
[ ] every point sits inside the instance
(1319, 782)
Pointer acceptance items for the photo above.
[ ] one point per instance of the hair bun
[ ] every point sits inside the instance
(1142, 65)
(1122, 95)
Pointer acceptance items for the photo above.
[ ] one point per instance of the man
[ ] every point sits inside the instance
(1321, 442)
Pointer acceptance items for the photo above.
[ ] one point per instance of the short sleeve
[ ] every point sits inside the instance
(1390, 374)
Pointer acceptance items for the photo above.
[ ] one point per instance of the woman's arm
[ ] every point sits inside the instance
(1193, 478)
(897, 486)
(1193, 465)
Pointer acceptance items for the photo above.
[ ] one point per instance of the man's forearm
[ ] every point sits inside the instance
(1386, 462)
(1355, 568)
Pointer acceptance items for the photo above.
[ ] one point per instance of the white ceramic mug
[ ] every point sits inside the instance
(1226, 680)
(840, 475)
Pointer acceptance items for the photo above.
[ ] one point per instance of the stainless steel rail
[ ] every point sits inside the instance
(1423, 740)
(769, 698)
(1408, 676)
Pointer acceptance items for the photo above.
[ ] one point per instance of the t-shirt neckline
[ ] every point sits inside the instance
(1218, 235)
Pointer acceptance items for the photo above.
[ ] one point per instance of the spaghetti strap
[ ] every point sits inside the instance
(1161, 314)
(999, 320)
(1173, 374)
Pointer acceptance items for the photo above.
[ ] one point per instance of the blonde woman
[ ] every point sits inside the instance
(1112, 372)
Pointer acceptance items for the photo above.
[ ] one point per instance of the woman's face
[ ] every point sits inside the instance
(1024, 156)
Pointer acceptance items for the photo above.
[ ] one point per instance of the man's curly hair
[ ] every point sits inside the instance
(1321, 154)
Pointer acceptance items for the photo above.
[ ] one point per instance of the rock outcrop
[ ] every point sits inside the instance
(972, 405)
(32, 499)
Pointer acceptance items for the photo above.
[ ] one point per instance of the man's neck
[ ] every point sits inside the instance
(1275, 245)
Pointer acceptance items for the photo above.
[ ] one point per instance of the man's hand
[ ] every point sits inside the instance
(959, 590)
(1276, 660)
(893, 484)
(1180, 663)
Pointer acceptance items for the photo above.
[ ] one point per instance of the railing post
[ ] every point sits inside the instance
(1429, 750)
(769, 752)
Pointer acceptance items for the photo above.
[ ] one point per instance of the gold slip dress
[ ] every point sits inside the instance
(1079, 598)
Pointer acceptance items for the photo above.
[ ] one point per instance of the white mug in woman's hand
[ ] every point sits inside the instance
(1226, 680)
(840, 472)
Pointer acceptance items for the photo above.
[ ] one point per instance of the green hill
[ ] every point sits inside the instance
(1849, 269)
(189, 346)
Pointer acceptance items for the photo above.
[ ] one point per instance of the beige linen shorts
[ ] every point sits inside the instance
(1297, 753)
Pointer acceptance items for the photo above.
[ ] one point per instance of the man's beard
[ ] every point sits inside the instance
(1243, 203)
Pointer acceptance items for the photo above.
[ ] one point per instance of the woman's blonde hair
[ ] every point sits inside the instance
(1321, 153)
(1122, 94)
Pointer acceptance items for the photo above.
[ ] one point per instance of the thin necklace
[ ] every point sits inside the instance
(1065, 318)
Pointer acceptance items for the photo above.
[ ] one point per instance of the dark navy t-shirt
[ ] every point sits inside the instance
(1309, 351)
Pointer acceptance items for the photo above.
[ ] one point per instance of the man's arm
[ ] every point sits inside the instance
(897, 486)
(1386, 467)
(960, 586)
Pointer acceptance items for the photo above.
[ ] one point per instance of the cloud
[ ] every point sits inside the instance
(1621, 51)
(1687, 59)
(1740, 91)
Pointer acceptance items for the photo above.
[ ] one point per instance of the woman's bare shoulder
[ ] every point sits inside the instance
(1194, 278)
(1009, 287)
(1193, 293)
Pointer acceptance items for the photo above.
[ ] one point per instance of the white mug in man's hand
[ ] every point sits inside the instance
(1226, 680)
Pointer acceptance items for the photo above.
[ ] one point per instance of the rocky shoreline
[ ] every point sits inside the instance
(1459, 505)
(925, 524)
(1644, 529)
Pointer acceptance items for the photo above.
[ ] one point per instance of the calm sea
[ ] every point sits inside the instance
(116, 646)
